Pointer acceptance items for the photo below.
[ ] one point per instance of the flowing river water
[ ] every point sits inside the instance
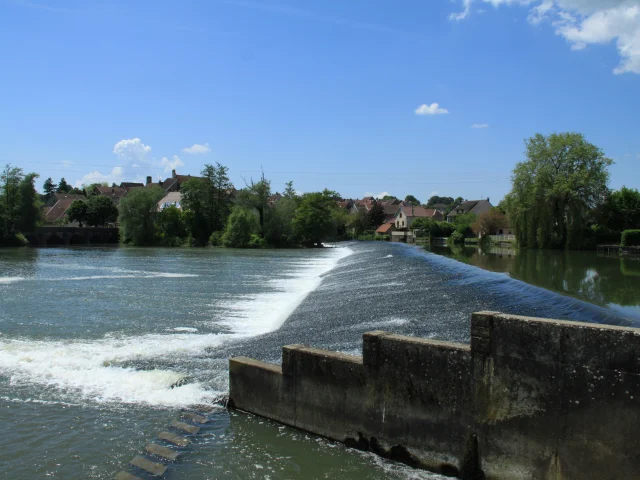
(100, 348)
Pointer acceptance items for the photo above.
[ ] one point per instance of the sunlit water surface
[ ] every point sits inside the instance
(94, 341)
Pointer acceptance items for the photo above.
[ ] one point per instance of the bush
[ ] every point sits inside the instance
(456, 238)
(215, 240)
(257, 241)
(630, 238)
(241, 224)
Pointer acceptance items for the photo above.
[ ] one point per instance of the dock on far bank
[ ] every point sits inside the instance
(617, 250)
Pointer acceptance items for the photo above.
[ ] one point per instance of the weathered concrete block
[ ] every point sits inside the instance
(528, 399)
(260, 388)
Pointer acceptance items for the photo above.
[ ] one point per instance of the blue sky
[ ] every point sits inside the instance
(360, 96)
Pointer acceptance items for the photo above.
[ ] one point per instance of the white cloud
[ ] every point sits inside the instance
(196, 148)
(132, 150)
(480, 125)
(376, 195)
(116, 176)
(433, 109)
(583, 23)
(171, 164)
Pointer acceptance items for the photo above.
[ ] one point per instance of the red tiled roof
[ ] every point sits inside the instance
(59, 210)
(112, 192)
(419, 212)
(385, 227)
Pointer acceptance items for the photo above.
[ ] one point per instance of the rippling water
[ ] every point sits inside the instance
(93, 340)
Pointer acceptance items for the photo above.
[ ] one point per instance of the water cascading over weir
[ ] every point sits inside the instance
(529, 398)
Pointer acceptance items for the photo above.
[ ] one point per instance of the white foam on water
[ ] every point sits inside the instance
(95, 371)
(260, 313)
(90, 369)
(8, 280)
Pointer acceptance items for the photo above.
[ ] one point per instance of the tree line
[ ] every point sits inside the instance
(213, 213)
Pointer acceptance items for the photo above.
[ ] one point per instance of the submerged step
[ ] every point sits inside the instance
(161, 451)
(185, 427)
(195, 417)
(203, 408)
(178, 440)
(153, 468)
(125, 476)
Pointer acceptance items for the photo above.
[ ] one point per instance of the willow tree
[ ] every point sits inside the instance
(556, 189)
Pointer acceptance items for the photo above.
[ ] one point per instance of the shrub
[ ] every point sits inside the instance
(630, 238)
(215, 240)
(456, 238)
(257, 241)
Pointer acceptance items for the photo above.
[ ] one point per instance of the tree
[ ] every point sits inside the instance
(28, 205)
(553, 192)
(77, 212)
(241, 224)
(256, 196)
(313, 222)
(388, 197)
(435, 199)
(488, 223)
(171, 227)
(621, 210)
(289, 192)
(101, 210)
(63, 186)
(412, 199)
(138, 213)
(10, 185)
(209, 201)
(376, 215)
(49, 188)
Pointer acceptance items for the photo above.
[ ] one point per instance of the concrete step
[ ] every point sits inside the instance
(161, 451)
(185, 427)
(178, 440)
(194, 417)
(203, 408)
(153, 468)
(125, 476)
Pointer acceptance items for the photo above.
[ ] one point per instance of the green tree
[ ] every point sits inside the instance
(376, 215)
(289, 192)
(28, 205)
(9, 189)
(621, 210)
(489, 223)
(412, 199)
(101, 210)
(138, 214)
(171, 227)
(241, 224)
(313, 222)
(388, 197)
(63, 186)
(77, 212)
(257, 196)
(435, 199)
(555, 190)
(209, 201)
(49, 188)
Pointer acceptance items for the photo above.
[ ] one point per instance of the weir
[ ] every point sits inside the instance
(529, 398)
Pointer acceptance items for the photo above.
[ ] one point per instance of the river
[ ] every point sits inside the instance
(100, 348)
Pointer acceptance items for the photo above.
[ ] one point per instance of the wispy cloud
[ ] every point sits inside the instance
(116, 176)
(197, 148)
(433, 109)
(583, 23)
(171, 164)
(377, 195)
(480, 125)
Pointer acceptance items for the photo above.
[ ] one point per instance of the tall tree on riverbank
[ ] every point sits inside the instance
(19, 204)
(314, 221)
(256, 196)
(208, 199)
(138, 214)
(49, 188)
(553, 192)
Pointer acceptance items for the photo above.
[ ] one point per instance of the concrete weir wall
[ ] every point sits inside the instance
(530, 398)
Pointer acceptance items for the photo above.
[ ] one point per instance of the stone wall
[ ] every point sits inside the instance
(528, 399)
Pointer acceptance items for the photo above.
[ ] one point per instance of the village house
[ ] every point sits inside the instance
(405, 216)
(114, 193)
(171, 199)
(477, 207)
(55, 209)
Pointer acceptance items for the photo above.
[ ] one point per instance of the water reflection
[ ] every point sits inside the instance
(605, 280)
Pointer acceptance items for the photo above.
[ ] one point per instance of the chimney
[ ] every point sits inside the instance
(149, 179)
(173, 174)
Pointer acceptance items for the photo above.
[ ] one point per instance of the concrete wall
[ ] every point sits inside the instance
(528, 399)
